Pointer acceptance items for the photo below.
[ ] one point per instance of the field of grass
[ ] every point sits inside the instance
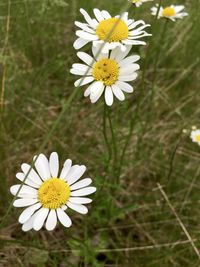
(145, 212)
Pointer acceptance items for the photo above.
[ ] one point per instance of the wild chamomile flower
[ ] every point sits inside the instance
(171, 12)
(46, 194)
(108, 73)
(111, 31)
(139, 2)
(195, 136)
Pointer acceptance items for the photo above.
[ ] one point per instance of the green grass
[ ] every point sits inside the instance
(129, 224)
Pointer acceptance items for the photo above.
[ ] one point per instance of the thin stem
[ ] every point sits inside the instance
(106, 137)
(114, 144)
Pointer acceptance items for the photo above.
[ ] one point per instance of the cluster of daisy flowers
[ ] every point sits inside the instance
(109, 68)
(44, 192)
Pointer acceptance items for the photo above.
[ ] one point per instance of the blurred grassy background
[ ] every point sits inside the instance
(129, 224)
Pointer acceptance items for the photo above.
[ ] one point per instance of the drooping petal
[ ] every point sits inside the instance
(63, 218)
(124, 86)
(28, 225)
(51, 220)
(118, 92)
(40, 218)
(108, 96)
(28, 212)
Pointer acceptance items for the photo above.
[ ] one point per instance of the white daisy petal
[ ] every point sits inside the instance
(129, 60)
(33, 176)
(40, 218)
(87, 91)
(28, 212)
(118, 92)
(93, 23)
(51, 220)
(80, 200)
(124, 86)
(129, 69)
(83, 183)
(24, 191)
(82, 72)
(24, 202)
(42, 166)
(78, 207)
(66, 168)
(81, 67)
(22, 177)
(75, 175)
(83, 192)
(105, 14)
(79, 43)
(85, 58)
(28, 225)
(120, 56)
(128, 78)
(54, 164)
(98, 14)
(86, 35)
(109, 96)
(63, 218)
(84, 27)
(96, 91)
(83, 81)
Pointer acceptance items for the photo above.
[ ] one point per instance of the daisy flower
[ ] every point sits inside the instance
(108, 73)
(139, 2)
(46, 194)
(110, 31)
(195, 136)
(171, 12)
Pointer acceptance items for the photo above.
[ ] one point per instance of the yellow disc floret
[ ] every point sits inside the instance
(197, 138)
(112, 30)
(106, 70)
(53, 193)
(168, 12)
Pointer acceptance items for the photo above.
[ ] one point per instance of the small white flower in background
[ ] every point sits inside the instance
(139, 2)
(195, 136)
(47, 194)
(108, 73)
(110, 31)
(171, 12)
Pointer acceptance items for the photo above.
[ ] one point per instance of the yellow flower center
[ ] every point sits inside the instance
(168, 12)
(197, 137)
(112, 30)
(106, 70)
(53, 193)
